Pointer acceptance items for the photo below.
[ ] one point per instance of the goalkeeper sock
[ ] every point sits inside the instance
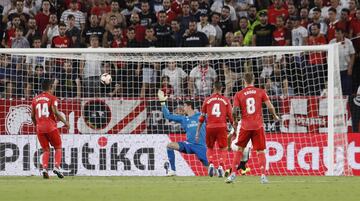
(236, 161)
(58, 155)
(171, 157)
(45, 159)
(262, 162)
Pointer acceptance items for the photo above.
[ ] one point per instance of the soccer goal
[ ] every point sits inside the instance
(118, 128)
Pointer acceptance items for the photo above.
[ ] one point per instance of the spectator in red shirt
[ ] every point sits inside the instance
(171, 15)
(61, 41)
(166, 87)
(42, 17)
(355, 30)
(278, 10)
(176, 6)
(344, 22)
(352, 9)
(332, 24)
(316, 72)
(139, 29)
(10, 32)
(116, 39)
(100, 8)
(281, 35)
(304, 15)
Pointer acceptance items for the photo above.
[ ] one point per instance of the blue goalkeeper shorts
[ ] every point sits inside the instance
(197, 149)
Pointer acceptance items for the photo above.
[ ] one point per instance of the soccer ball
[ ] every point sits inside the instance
(105, 78)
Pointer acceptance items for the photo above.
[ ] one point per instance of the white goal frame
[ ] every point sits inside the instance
(332, 61)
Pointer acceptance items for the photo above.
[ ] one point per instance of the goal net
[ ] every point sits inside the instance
(119, 128)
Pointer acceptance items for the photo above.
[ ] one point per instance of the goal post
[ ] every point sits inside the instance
(119, 128)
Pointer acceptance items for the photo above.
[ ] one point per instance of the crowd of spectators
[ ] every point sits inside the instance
(177, 23)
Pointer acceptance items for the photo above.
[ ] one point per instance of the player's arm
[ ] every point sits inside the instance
(165, 110)
(236, 114)
(271, 108)
(201, 121)
(58, 115)
(33, 116)
(229, 114)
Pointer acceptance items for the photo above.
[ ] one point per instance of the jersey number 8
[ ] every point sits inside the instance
(250, 105)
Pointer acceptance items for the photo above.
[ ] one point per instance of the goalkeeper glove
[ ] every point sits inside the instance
(162, 97)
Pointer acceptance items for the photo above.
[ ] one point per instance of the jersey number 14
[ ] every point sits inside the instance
(43, 110)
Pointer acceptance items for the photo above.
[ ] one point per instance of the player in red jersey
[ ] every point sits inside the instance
(249, 102)
(216, 109)
(44, 114)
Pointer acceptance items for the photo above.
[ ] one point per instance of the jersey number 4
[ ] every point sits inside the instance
(43, 110)
(250, 105)
(216, 110)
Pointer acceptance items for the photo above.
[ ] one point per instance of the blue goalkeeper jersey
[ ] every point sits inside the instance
(189, 124)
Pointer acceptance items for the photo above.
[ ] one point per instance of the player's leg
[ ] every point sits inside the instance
(171, 156)
(243, 139)
(246, 155)
(210, 153)
(200, 152)
(44, 143)
(221, 139)
(259, 144)
(55, 141)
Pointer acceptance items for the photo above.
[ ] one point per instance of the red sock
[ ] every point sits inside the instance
(210, 154)
(237, 158)
(58, 155)
(262, 162)
(223, 158)
(45, 159)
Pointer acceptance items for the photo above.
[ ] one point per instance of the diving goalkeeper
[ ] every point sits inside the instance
(189, 123)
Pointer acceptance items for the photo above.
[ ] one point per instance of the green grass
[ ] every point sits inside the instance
(179, 188)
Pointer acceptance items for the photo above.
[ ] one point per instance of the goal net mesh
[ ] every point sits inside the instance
(119, 128)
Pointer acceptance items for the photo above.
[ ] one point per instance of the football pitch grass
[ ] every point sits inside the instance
(179, 188)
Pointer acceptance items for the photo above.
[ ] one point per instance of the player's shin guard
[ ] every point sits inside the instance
(237, 158)
(58, 155)
(262, 162)
(171, 157)
(45, 159)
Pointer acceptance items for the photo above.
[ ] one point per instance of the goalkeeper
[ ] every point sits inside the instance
(189, 123)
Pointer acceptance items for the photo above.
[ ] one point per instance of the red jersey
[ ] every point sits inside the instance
(61, 42)
(217, 108)
(250, 100)
(317, 57)
(273, 13)
(42, 21)
(45, 118)
(331, 30)
(355, 27)
(280, 36)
